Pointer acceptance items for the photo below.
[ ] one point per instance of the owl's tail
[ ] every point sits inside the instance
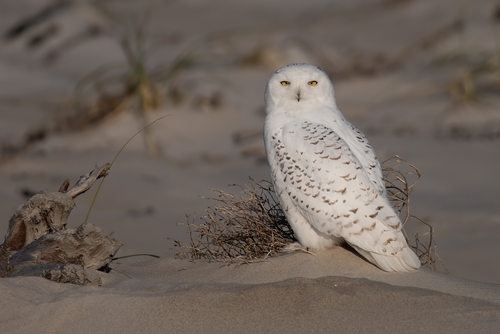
(403, 261)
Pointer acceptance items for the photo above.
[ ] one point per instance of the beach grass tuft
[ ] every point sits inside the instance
(242, 227)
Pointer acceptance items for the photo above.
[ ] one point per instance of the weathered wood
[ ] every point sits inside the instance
(86, 181)
(37, 242)
(45, 212)
(62, 273)
(86, 246)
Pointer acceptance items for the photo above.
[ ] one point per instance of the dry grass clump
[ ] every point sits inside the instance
(136, 83)
(112, 88)
(251, 226)
(477, 79)
(400, 177)
(239, 228)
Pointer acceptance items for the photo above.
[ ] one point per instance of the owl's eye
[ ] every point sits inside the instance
(285, 83)
(313, 83)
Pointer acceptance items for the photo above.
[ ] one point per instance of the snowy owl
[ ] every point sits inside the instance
(326, 174)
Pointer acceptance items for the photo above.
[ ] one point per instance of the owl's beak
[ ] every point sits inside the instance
(297, 95)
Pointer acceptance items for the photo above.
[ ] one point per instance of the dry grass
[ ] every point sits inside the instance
(476, 80)
(134, 84)
(400, 178)
(251, 226)
(239, 228)
(112, 88)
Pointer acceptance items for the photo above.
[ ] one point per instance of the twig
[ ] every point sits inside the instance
(86, 181)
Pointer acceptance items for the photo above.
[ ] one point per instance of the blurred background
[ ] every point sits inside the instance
(421, 79)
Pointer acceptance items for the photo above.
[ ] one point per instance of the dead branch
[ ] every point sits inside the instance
(86, 181)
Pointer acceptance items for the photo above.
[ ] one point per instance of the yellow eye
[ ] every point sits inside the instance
(313, 83)
(285, 83)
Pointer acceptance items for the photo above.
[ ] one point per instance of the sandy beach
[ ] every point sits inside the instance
(334, 291)
(420, 79)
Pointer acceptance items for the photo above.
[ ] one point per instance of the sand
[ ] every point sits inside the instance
(393, 64)
(330, 292)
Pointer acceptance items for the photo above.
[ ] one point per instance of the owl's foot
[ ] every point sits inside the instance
(294, 247)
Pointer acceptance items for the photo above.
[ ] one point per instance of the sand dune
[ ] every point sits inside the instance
(332, 291)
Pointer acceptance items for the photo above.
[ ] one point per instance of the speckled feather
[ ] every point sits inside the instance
(326, 174)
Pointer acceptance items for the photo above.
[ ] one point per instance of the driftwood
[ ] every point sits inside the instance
(38, 243)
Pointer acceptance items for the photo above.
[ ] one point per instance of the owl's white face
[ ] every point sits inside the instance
(297, 87)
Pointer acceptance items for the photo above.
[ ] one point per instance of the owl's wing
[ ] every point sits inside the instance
(366, 155)
(330, 187)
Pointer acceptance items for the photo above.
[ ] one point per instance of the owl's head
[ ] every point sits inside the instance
(299, 86)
